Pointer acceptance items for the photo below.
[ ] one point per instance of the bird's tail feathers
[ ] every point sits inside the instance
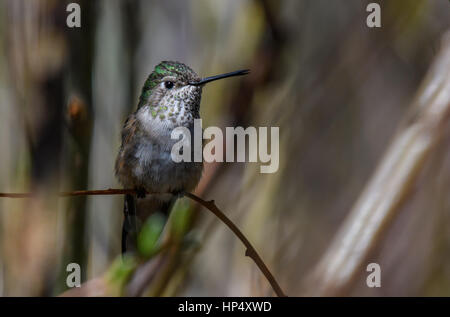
(136, 212)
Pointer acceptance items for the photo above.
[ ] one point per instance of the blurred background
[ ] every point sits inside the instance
(336, 88)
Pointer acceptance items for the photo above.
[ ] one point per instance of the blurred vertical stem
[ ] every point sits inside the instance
(133, 34)
(392, 182)
(81, 47)
(36, 50)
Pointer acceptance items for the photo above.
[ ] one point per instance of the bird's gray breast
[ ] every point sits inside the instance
(157, 171)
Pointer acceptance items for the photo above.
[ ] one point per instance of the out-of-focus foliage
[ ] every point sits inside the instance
(119, 274)
(147, 242)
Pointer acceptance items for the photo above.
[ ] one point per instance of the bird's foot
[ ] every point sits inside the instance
(178, 193)
(140, 192)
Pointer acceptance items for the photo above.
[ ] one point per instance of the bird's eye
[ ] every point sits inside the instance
(168, 84)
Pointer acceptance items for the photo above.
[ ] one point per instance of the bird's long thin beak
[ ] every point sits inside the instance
(212, 78)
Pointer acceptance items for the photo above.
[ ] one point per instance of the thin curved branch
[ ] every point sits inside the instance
(250, 252)
(210, 205)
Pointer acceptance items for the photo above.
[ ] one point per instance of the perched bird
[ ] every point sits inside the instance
(170, 98)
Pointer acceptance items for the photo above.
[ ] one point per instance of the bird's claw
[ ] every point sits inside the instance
(179, 193)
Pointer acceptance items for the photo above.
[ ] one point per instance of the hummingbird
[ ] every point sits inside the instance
(170, 98)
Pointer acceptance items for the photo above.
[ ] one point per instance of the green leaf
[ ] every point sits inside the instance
(121, 269)
(149, 235)
(180, 219)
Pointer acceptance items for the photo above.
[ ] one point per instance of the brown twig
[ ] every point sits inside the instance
(210, 205)
(110, 191)
(250, 252)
